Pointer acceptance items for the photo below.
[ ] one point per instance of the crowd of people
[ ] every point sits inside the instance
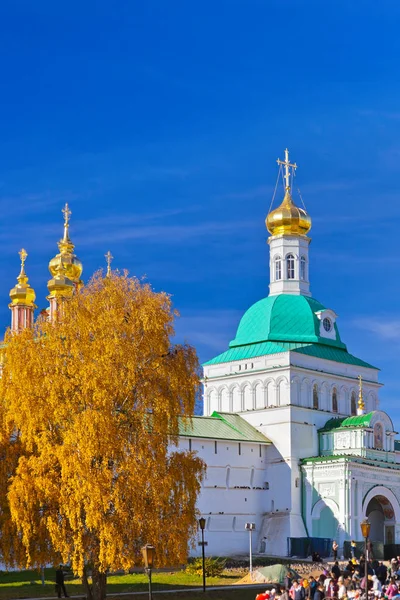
(343, 582)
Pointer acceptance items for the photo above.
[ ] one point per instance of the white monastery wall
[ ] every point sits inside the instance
(233, 492)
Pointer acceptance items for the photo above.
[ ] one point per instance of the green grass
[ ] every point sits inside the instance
(27, 584)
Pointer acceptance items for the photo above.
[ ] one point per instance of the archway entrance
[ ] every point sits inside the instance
(380, 514)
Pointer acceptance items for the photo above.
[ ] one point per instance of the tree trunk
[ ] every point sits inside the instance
(99, 584)
(86, 585)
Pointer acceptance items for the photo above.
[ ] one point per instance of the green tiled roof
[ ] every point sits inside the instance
(265, 348)
(222, 426)
(285, 318)
(335, 354)
(348, 422)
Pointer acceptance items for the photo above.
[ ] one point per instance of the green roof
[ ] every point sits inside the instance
(348, 422)
(285, 318)
(264, 348)
(222, 426)
(281, 323)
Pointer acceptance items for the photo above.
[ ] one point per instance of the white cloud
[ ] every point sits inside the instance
(385, 328)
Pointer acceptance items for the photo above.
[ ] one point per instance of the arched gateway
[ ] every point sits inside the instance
(382, 510)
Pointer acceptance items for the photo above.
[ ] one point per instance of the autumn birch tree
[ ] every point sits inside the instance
(89, 415)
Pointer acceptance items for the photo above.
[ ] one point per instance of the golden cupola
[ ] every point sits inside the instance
(288, 219)
(66, 263)
(23, 294)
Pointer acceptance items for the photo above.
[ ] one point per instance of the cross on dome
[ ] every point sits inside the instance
(23, 254)
(67, 213)
(287, 166)
(109, 257)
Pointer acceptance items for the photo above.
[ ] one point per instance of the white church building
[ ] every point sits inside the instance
(292, 433)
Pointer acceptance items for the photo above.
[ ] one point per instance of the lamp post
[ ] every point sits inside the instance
(148, 553)
(250, 527)
(202, 525)
(365, 529)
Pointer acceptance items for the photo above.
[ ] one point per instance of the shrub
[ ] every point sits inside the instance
(213, 566)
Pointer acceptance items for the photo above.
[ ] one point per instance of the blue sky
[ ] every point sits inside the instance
(160, 123)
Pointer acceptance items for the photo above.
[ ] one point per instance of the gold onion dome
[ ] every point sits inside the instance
(288, 219)
(60, 286)
(66, 262)
(23, 294)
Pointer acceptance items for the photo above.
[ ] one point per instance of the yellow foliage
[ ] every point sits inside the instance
(89, 415)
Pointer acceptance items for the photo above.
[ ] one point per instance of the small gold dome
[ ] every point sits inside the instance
(66, 260)
(23, 294)
(288, 219)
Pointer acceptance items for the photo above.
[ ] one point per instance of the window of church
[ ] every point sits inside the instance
(215, 447)
(378, 436)
(278, 268)
(303, 268)
(334, 401)
(315, 396)
(353, 404)
(239, 448)
(290, 266)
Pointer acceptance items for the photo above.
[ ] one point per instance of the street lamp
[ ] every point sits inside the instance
(250, 527)
(365, 529)
(148, 553)
(202, 525)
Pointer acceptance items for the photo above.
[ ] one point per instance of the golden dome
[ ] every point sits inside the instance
(60, 286)
(288, 219)
(66, 259)
(23, 293)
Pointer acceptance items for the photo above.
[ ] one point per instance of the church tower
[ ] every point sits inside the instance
(287, 371)
(288, 226)
(22, 300)
(66, 270)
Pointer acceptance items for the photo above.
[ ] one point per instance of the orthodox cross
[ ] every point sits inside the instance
(109, 258)
(287, 166)
(23, 254)
(67, 213)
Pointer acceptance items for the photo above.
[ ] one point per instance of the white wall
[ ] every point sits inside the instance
(230, 496)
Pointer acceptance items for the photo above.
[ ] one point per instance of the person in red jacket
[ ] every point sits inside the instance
(263, 596)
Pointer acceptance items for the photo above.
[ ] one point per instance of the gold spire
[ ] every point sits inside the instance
(66, 258)
(65, 245)
(361, 404)
(109, 257)
(23, 293)
(288, 219)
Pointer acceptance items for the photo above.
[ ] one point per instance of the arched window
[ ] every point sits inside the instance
(378, 436)
(290, 266)
(315, 396)
(278, 268)
(353, 403)
(334, 401)
(303, 268)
